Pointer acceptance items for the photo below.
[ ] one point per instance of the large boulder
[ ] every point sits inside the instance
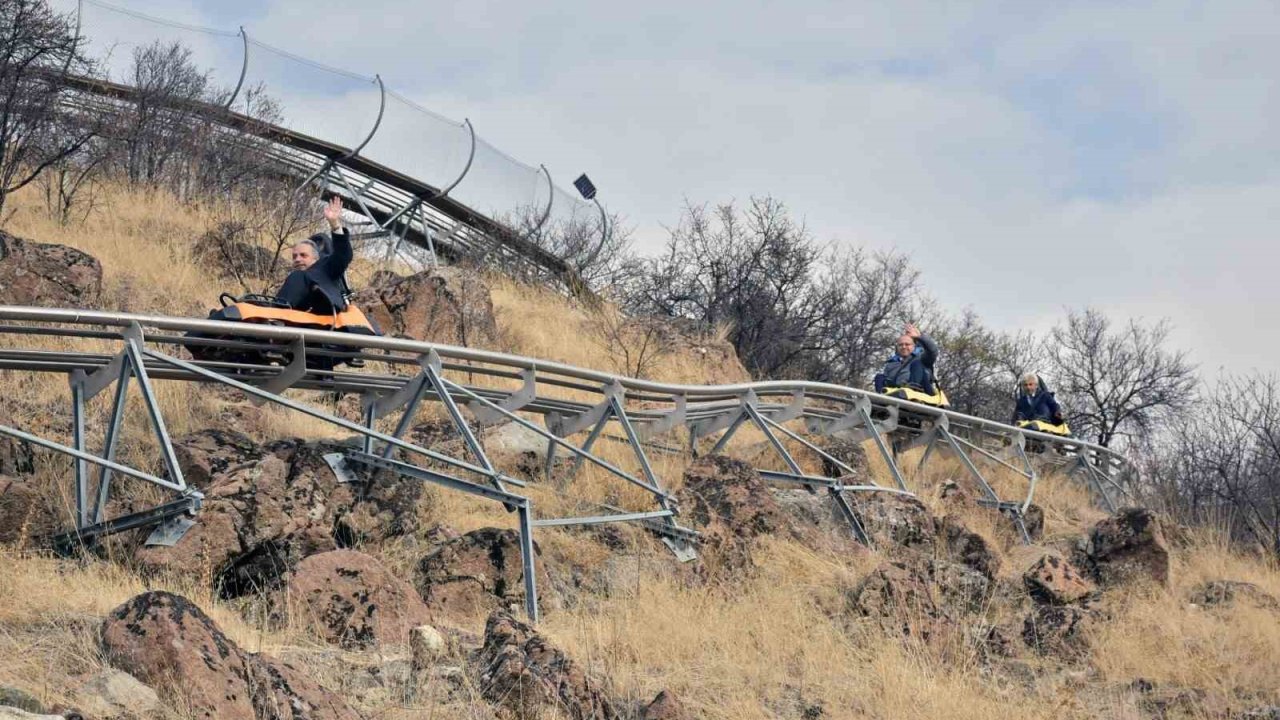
(33, 273)
(1129, 546)
(967, 547)
(896, 520)
(730, 504)
(206, 454)
(263, 516)
(1054, 581)
(353, 601)
(1058, 630)
(523, 673)
(447, 305)
(851, 454)
(474, 574)
(898, 597)
(167, 642)
(224, 250)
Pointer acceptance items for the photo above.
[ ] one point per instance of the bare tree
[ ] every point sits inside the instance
(1117, 381)
(973, 367)
(752, 271)
(1220, 463)
(70, 183)
(636, 344)
(160, 128)
(873, 296)
(37, 48)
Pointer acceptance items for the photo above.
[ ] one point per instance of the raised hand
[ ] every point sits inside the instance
(912, 330)
(333, 212)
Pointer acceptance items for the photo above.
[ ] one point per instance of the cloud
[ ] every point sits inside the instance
(1029, 157)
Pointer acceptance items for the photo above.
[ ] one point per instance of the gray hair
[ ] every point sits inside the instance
(310, 242)
(1031, 376)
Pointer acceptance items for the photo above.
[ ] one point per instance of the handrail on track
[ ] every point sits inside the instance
(543, 368)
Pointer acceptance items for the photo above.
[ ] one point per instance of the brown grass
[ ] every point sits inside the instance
(774, 643)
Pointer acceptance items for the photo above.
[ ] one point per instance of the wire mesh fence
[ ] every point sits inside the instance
(348, 112)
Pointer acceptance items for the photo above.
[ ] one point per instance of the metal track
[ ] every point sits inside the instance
(569, 402)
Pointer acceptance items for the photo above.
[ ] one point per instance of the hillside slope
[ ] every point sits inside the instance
(950, 616)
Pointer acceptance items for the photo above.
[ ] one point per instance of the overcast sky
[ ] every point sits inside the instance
(1029, 157)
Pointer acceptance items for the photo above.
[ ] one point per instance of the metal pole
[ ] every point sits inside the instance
(132, 341)
(77, 433)
(527, 560)
(870, 425)
(113, 434)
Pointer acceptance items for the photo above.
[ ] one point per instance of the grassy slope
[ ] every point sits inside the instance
(771, 644)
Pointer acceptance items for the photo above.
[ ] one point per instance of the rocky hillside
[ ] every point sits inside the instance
(296, 596)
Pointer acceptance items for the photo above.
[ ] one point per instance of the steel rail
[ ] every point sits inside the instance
(547, 371)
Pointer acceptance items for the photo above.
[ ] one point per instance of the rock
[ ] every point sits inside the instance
(167, 642)
(1055, 581)
(1056, 630)
(954, 494)
(897, 596)
(959, 589)
(511, 445)
(967, 547)
(730, 504)
(848, 452)
(24, 512)
(220, 250)
(427, 646)
(353, 601)
(1226, 593)
(45, 275)
(893, 519)
(805, 510)
(1264, 712)
(444, 305)
(1033, 518)
(523, 673)
(1128, 546)
(474, 574)
(16, 698)
(665, 706)
(262, 517)
(992, 641)
(115, 694)
(206, 454)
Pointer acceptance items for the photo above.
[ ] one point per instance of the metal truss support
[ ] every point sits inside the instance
(90, 520)
(1094, 478)
(864, 412)
(957, 445)
(522, 505)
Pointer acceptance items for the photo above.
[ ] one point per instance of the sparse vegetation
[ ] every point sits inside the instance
(777, 641)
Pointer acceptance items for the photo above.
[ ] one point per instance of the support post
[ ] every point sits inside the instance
(77, 435)
(528, 561)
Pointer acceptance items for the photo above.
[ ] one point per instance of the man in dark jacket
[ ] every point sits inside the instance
(316, 283)
(911, 366)
(1035, 402)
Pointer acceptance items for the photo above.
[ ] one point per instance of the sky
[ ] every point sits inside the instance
(1030, 157)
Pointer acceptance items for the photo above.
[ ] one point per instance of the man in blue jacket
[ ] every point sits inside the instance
(316, 283)
(1035, 402)
(911, 365)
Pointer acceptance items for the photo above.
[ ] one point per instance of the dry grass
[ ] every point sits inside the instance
(775, 643)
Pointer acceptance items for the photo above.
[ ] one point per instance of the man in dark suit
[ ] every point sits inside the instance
(316, 283)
